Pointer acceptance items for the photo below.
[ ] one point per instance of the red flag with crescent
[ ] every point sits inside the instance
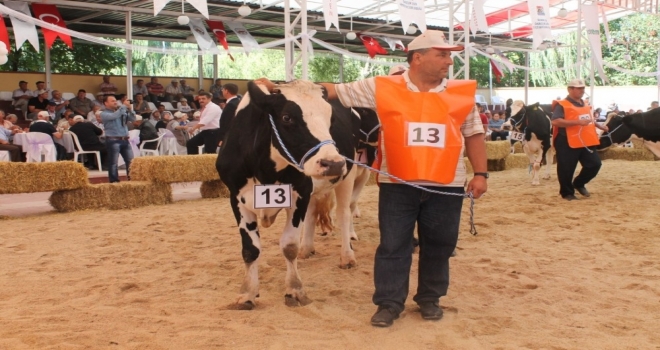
(219, 30)
(4, 35)
(50, 14)
(372, 45)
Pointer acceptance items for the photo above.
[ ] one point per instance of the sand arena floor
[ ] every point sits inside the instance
(542, 274)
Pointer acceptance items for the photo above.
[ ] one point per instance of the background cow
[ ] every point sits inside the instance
(252, 155)
(622, 128)
(536, 127)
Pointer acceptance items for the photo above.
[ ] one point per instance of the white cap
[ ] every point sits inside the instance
(42, 91)
(197, 114)
(44, 114)
(433, 39)
(398, 69)
(78, 118)
(578, 83)
(138, 118)
(177, 115)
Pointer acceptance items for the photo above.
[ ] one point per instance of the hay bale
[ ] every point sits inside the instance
(170, 169)
(626, 153)
(372, 179)
(497, 149)
(41, 177)
(516, 161)
(123, 195)
(518, 147)
(214, 189)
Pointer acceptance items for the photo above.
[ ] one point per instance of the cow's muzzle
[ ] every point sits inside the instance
(332, 168)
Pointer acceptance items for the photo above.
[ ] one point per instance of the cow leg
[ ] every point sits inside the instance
(534, 152)
(251, 249)
(549, 157)
(344, 191)
(361, 179)
(307, 242)
(289, 243)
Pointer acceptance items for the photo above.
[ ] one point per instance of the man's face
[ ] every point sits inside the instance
(139, 97)
(156, 115)
(99, 119)
(218, 82)
(183, 82)
(110, 103)
(23, 86)
(57, 95)
(203, 100)
(44, 96)
(161, 109)
(654, 105)
(81, 95)
(576, 93)
(51, 108)
(154, 80)
(140, 83)
(175, 83)
(106, 79)
(40, 86)
(434, 63)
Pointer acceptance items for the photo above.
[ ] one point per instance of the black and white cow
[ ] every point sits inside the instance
(644, 125)
(252, 156)
(532, 126)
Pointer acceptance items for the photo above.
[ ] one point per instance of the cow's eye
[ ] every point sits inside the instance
(287, 119)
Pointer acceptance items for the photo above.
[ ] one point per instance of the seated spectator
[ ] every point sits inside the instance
(60, 103)
(98, 121)
(179, 131)
(37, 104)
(495, 127)
(140, 88)
(22, 96)
(183, 106)
(106, 87)
(4, 122)
(156, 91)
(65, 122)
(141, 106)
(42, 125)
(91, 116)
(51, 111)
(5, 144)
(13, 119)
(484, 118)
(166, 117)
(154, 118)
(99, 100)
(88, 136)
(41, 86)
(187, 91)
(173, 91)
(81, 104)
(147, 132)
(196, 118)
(654, 105)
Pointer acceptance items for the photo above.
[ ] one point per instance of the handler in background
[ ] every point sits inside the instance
(575, 140)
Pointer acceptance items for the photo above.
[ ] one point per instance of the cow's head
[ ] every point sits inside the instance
(302, 119)
(517, 115)
(645, 125)
(618, 132)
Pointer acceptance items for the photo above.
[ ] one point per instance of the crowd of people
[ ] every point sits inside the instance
(103, 124)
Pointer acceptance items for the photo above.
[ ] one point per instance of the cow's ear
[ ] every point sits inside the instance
(257, 96)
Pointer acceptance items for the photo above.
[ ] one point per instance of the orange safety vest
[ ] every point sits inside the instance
(578, 136)
(422, 130)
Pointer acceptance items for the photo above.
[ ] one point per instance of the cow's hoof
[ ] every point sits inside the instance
(306, 253)
(535, 183)
(291, 301)
(349, 265)
(248, 305)
(354, 236)
(323, 234)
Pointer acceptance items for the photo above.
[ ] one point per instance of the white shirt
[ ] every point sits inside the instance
(210, 116)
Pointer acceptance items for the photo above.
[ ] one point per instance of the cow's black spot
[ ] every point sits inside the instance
(290, 251)
(242, 199)
(250, 252)
(251, 226)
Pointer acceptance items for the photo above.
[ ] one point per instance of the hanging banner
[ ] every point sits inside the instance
(394, 44)
(591, 21)
(204, 41)
(200, 5)
(249, 43)
(330, 14)
(372, 45)
(504, 60)
(412, 11)
(539, 13)
(23, 31)
(219, 30)
(497, 70)
(4, 35)
(606, 26)
(478, 19)
(50, 14)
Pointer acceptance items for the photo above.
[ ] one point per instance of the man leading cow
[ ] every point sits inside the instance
(575, 140)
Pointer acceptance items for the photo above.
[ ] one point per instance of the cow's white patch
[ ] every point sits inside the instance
(516, 107)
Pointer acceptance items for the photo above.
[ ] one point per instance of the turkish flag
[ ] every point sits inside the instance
(497, 70)
(219, 30)
(372, 45)
(50, 14)
(4, 35)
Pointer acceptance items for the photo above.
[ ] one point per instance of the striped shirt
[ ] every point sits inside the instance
(362, 93)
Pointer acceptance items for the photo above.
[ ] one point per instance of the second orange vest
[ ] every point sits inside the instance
(422, 130)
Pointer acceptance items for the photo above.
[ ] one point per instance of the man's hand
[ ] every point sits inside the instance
(267, 83)
(478, 186)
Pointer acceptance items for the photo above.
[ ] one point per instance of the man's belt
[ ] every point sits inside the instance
(116, 137)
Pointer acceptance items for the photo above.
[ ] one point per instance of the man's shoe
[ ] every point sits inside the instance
(430, 311)
(570, 197)
(384, 317)
(583, 191)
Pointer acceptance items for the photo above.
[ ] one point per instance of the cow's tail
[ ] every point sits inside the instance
(324, 206)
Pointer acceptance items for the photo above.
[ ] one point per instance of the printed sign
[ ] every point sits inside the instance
(426, 134)
(518, 136)
(272, 196)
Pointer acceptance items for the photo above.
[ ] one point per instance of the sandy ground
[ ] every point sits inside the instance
(541, 274)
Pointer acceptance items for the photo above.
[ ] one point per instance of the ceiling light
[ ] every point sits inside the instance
(244, 10)
(351, 35)
(490, 50)
(411, 30)
(563, 12)
(183, 20)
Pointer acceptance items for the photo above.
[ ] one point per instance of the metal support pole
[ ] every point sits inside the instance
(288, 45)
(466, 38)
(526, 76)
(593, 81)
(304, 47)
(215, 68)
(579, 40)
(341, 70)
(451, 32)
(200, 71)
(48, 70)
(490, 81)
(129, 57)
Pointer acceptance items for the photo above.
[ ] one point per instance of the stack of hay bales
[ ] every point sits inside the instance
(496, 153)
(41, 177)
(626, 153)
(170, 169)
(124, 195)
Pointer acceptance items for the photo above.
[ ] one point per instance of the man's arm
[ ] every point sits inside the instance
(107, 116)
(329, 87)
(475, 149)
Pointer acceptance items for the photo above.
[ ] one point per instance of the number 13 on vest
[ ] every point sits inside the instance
(272, 196)
(426, 134)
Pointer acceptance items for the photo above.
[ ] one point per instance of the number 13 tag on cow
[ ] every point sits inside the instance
(272, 196)
(426, 134)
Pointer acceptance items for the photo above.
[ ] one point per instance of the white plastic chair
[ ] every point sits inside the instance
(154, 152)
(90, 96)
(4, 156)
(481, 100)
(169, 144)
(78, 151)
(152, 106)
(68, 95)
(497, 102)
(6, 96)
(168, 106)
(40, 144)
